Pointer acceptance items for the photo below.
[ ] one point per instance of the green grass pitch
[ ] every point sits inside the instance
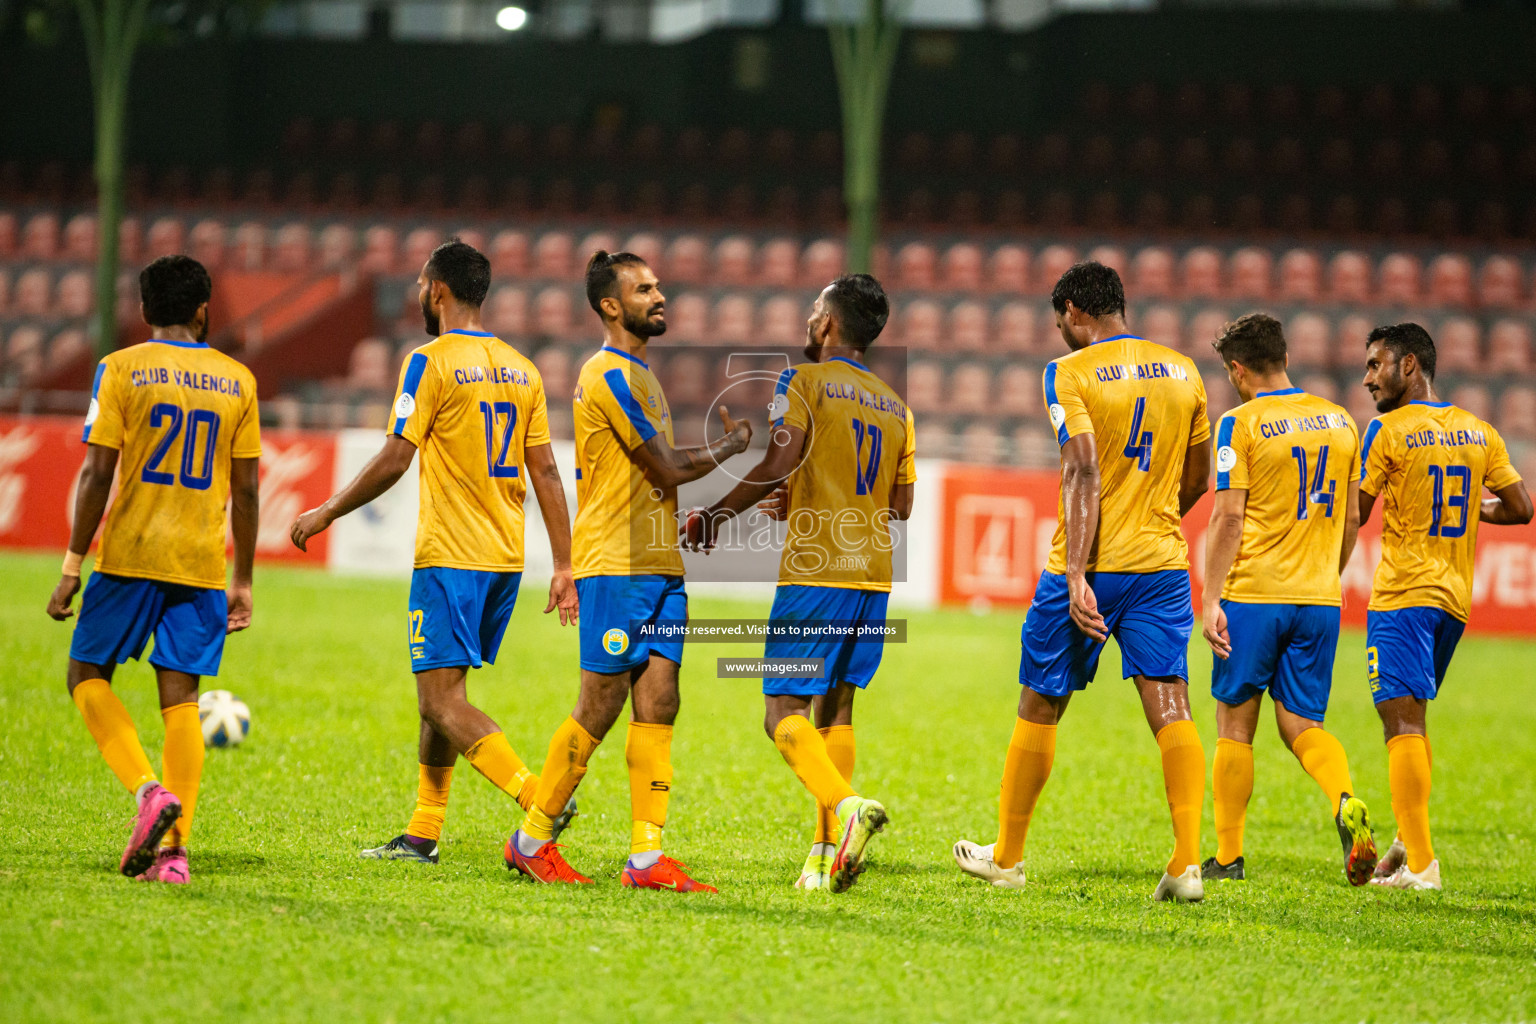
(284, 922)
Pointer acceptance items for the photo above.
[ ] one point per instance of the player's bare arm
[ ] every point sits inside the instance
(1366, 502)
(1510, 507)
(784, 451)
(244, 520)
(381, 473)
(1196, 477)
(91, 496)
(902, 496)
(544, 476)
(1222, 542)
(1351, 524)
(668, 467)
(1080, 500)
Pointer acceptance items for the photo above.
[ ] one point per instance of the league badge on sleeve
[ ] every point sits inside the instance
(1226, 459)
(404, 405)
(1058, 415)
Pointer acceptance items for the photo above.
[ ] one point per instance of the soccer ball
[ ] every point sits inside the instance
(225, 718)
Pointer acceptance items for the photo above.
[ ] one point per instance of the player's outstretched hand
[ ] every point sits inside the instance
(62, 597)
(239, 597)
(562, 595)
(776, 505)
(739, 431)
(1214, 626)
(698, 532)
(1085, 610)
(306, 526)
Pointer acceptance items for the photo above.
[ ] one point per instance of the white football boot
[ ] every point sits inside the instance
(1395, 857)
(1402, 878)
(977, 862)
(1185, 888)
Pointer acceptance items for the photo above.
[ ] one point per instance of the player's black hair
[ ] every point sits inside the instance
(861, 308)
(1256, 340)
(172, 288)
(603, 276)
(1407, 339)
(1091, 287)
(463, 268)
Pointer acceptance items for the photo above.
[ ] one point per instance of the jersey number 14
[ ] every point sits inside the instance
(1321, 491)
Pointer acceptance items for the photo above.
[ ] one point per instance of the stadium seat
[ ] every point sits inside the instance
(417, 248)
(1204, 326)
(1499, 284)
(380, 244)
(208, 242)
(961, 268)
(338, 247)
(1013, 327)
(782, 321)
(1152, 274)
(1111, 256)
(1097, 155)
(980, 443)
(1251, 271)
(68, 346)
(1201, 273)
(507, 313)
(1509, 347)
(646, 245)
(370, 365)
(968, 327)
(1307, 342)
(970, 386)
(32, 293)
(553, 313)
(916, 267)
(1458, 347)
(509, 255)
(733, 320)
(922, 325)
(472, 237)
(249, 251)
(1055, 260)
(687, 317)
(290, 249)
(821, 262)
(80, 238)
(1321, 385)
(1300, 276)
(1349, 336)
(40, 237)
(554, 366)
(687, 261)
(1517, 413)
(1475, 399)
(5, 289)
(1008, 270)
(1359, 404)
(24, 352)
(1450, 280)
(166, 237)
(733, 262)
(554, 255)
(925, 387)
(1349, 278)
(75, 296)
(8, 235)
(1163, 325)
(1018, 392)
(779, 261)
(1399, 280)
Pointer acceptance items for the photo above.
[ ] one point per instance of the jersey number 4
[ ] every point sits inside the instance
(1321, 491)
(866, 471)
(496, 454)
(202, 426)
(1138, 445)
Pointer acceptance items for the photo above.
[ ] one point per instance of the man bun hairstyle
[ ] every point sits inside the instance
(603, 276)
(172, 288)
(1256, 340)
(1407, 339)
(1092, 287)
(859, 304)
(463, 268)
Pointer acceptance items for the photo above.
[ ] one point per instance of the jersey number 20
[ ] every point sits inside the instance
(202, 425)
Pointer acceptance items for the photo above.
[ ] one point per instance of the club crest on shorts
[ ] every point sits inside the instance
(615, 641)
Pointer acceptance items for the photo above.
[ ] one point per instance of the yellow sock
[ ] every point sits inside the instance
(1184, 781)
(1031, 752)
(806, 752)
(842, 750)
(112, 728)
(1322, 755)
(1408, 773)
(569, 749)
(432, 784)
(182, 765)
(1232, 783)
(493, 757)
(648, 752)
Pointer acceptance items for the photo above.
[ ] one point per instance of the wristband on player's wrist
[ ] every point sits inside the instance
(72, 563)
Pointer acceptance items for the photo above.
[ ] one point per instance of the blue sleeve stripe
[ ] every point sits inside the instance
(413, 372)
(782, 388)
(101, 368)
(1062, 437)
(619, 385)
(1223, 440)
(1371, 431)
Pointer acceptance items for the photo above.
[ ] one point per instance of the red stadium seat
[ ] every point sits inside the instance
(925, 387)
(507, 312)
(647, 246)
(1321, 385)
(1202, 273)
(509, 255)
(380, 243)
(1450, 280)
(821, 263)
(687, 375)
(981, 445)
(916, 267)
(922, 325)
(1152, 273)
(970, 386)
(75, 297)
(1204, 326)
(1349, 278)
(554, 366)
(1475, 399)
(1499, 284)
(371, 365)
(1163, 325)
(1251, 272)
(5, 288)
(472, 237)
(40, 237)
(961, 268)
(1055, 260)
(687, 260)
(968, 327)
(1014, 327)
(8, 233)
(1517, 413)
(782, 321)
(290, 250)
(553, 313)
(1151, 214)
(166, 237)
(779, 261)
(1307, 342)
(1349, 336)
(208, 242)
(337, 247)
(552, 256)
(24, 352)
(418, 246)
(687, 317)
(733, 320)
(1458, 346)
(1300, 276)
(1111, 256)
(1509, 347)
(80, 238)
(249, 250)
(1018, 392)
(68, 346)
(1008, 270)
(33, 293)
(1035, 448)
(733, 262)
(1360, 405)
(1399, 280)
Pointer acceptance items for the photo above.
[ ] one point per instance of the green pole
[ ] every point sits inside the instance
(863, 54)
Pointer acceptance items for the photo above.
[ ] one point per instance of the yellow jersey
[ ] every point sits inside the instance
(859, 444)
(1145, 406)
(472, 404)
(625, 525)
(1295, 454)
(1428, 462)
(178, 413)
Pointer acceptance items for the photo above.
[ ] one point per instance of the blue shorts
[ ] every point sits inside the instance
(1407, 651)
(457, 617)
(1150, 615)
(613, 610)
(848, 659)
(118, 614)
(1286, 649)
